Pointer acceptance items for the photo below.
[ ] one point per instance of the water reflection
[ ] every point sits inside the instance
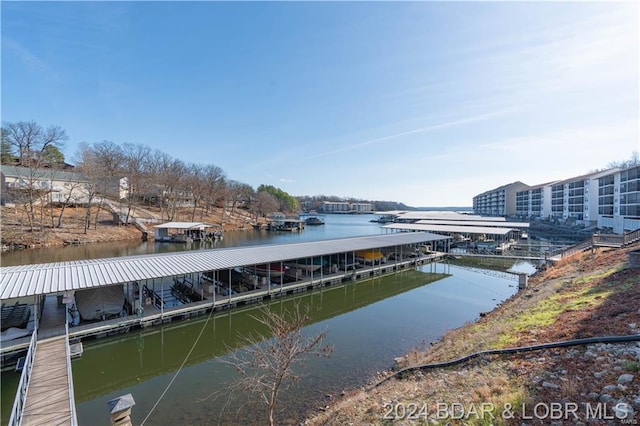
(523, 267)
(369, 323)
(337, 226)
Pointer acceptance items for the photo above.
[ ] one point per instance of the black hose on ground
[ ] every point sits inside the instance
(561, 344)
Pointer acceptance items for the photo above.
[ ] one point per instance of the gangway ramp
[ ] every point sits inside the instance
(49, 397)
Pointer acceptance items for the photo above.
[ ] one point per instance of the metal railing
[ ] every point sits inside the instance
(23, 385)
(631, 237)
(72, 402)
(580, 247)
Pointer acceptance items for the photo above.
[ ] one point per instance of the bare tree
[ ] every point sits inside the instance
(169, 174)
(87, 164)
(69, 195)
(135, 167)
(109, 162)
(214, 184)
(264, 203)
(33, 143)
(236, 193)
(269, 361)
(195, 187)
(633, 160)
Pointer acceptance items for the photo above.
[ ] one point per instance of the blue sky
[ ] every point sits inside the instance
(426, 103)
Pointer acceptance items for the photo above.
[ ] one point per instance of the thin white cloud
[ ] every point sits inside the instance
(438, 126)
(30, 61)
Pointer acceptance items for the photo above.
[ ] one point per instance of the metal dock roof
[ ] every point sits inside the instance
(29, 280)
(491, 224)
(450, 228)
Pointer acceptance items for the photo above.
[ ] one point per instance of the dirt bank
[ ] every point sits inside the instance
(593, 294)
(16, 233)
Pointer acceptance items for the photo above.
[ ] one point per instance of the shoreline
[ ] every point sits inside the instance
(589, 295)
(16, 235)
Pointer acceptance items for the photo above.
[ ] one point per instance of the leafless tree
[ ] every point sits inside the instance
(195, 185)
(70, 195)
(109, 159)
(270, 362)
(264, 203)
(32, 142)
(135, 162)
(87, 164)
(214, 184)
(169, 175)
(237, 192)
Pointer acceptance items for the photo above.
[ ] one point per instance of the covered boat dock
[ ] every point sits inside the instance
(153, 286)
(185, 232)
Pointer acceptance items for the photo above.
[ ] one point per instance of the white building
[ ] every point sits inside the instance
(55, 185)
(576, 199)
(362, 207)
(335, 207)
(535, 202)
(619, 200)
(500, 201)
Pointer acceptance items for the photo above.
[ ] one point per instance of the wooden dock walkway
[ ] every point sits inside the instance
(49, 398)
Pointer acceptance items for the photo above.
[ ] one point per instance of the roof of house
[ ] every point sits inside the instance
(19, 172)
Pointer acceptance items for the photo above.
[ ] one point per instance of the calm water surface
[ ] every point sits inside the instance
(337, 226)
(368, 323)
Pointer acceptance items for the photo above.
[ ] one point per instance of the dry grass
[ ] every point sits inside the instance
(16, 231)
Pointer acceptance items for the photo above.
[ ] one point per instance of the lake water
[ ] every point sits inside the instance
(337, 226)
(369, 323)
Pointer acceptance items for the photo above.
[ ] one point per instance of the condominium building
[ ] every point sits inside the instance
(577, 198)
(346, 207)
(362, 207)
(535, 202)
(609, 199)
(619, 200)
(335, 207)
(500, 201)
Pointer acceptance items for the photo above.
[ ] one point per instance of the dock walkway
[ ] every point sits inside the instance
(49, 398)
(45, 394)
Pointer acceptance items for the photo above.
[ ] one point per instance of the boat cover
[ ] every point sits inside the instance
(100, 302)
(13, 333)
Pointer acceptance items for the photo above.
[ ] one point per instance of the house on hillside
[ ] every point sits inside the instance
(58, 186)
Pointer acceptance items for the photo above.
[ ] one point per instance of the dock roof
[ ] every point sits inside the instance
(186, 225)
(459, 229)
(488, 223)
(30, 280)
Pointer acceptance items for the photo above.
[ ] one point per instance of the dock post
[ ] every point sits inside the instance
(522, 281)
(120, 410)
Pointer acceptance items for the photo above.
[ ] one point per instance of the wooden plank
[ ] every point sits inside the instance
(47, 400)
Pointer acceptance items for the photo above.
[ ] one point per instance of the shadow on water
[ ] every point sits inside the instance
(369, 323)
